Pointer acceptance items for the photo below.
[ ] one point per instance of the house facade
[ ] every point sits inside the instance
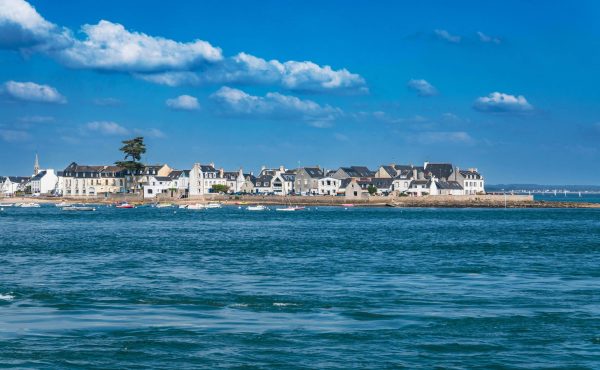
(329, 186)
(45, 182)
(471, 180)
(307, 180)
(84, 180)
(203, 177)
(10, 185)
(158, 185)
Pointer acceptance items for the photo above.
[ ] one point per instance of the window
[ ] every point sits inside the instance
(149, 191)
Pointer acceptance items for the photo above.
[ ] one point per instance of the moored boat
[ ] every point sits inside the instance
(78, 208)
(256, 208)
(125, 205)
(212, 205)
(30, 205)
(7, 205)
(195, 207)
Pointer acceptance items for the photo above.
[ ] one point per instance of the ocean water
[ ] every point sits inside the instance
(322, 288)
(569, 197)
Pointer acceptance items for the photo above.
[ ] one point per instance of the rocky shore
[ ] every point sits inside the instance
(480, 201)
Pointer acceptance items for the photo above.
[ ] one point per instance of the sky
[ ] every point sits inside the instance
(510, 88)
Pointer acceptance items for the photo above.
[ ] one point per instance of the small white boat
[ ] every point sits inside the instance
(6, 205)
(212, 205)
(78, 208)
(30, 205)
(62, 204)
(196, 207)
(286, 209)
(163, 205)
(183, 206)
(125, 205)
(256, 208)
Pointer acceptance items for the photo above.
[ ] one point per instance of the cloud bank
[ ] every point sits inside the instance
(110, 47)
(275, 106)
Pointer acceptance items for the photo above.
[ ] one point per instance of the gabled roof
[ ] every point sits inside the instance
(38, 176)
(382, 183)
(17, 179)
(358, 171)
(390, 170)
(314, 172)
(162, 178)
(450, 185)
(470, 172)
(288, 176)
(439, 170)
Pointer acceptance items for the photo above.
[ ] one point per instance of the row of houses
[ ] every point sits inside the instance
(161, 180)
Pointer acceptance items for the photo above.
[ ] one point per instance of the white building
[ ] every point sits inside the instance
(45, 182)
(234, 180)
(11, 184)
(157, 185)
(328, 186)
(471, 180)
(203, 178)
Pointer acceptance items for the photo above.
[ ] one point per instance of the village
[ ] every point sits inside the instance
(161, 182)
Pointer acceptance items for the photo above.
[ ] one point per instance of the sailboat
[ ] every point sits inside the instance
(290, 208)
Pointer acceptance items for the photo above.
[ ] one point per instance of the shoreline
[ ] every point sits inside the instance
(488, 201)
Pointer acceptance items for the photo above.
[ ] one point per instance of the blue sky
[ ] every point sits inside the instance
(508, 87)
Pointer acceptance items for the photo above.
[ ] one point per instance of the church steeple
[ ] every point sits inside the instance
(36, 165)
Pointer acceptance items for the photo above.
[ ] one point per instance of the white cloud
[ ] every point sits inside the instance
(445, 35)
(30, 91)
(237, 103)
(497, 102)
(422, 87)
(487, 39)
(440, 137)
(109, 46)
(183, 102)
(106, 128)
(22, 27)
(246, 69)
(14, 135)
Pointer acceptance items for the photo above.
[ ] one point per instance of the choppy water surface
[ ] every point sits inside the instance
(323, 288)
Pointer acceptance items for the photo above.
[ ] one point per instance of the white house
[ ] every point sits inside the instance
(328, 186)
(11, 184)
(180, 182)
(203, 177)
(156, 185)
(471, 180)
(45, 182)
(234, 180)
(419, 188)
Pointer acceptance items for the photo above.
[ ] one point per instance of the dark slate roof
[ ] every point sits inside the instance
(419, 182)
(439, 170)
(390, 170)
(230, 175)
(18, 179)
(314, 172)
(38, 176)
(162, 178)
(382, 183)
(262, 179)
(358, 171)
(403, 167)
(405, 175)
(288, 176)
(467, 172)
(207, 168)
(344, 183)
(450, 185)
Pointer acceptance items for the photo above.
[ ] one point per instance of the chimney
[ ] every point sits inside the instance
(212, 164)
(221, 172)
(456, 170)
(425, 164)
(414, 171)
(281, 168)
(262, 168)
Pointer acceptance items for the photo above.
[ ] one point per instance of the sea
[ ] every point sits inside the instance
(322, 288)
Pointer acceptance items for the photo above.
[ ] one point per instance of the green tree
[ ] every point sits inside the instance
(372, 189)
(133, 150)
(218, 188)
